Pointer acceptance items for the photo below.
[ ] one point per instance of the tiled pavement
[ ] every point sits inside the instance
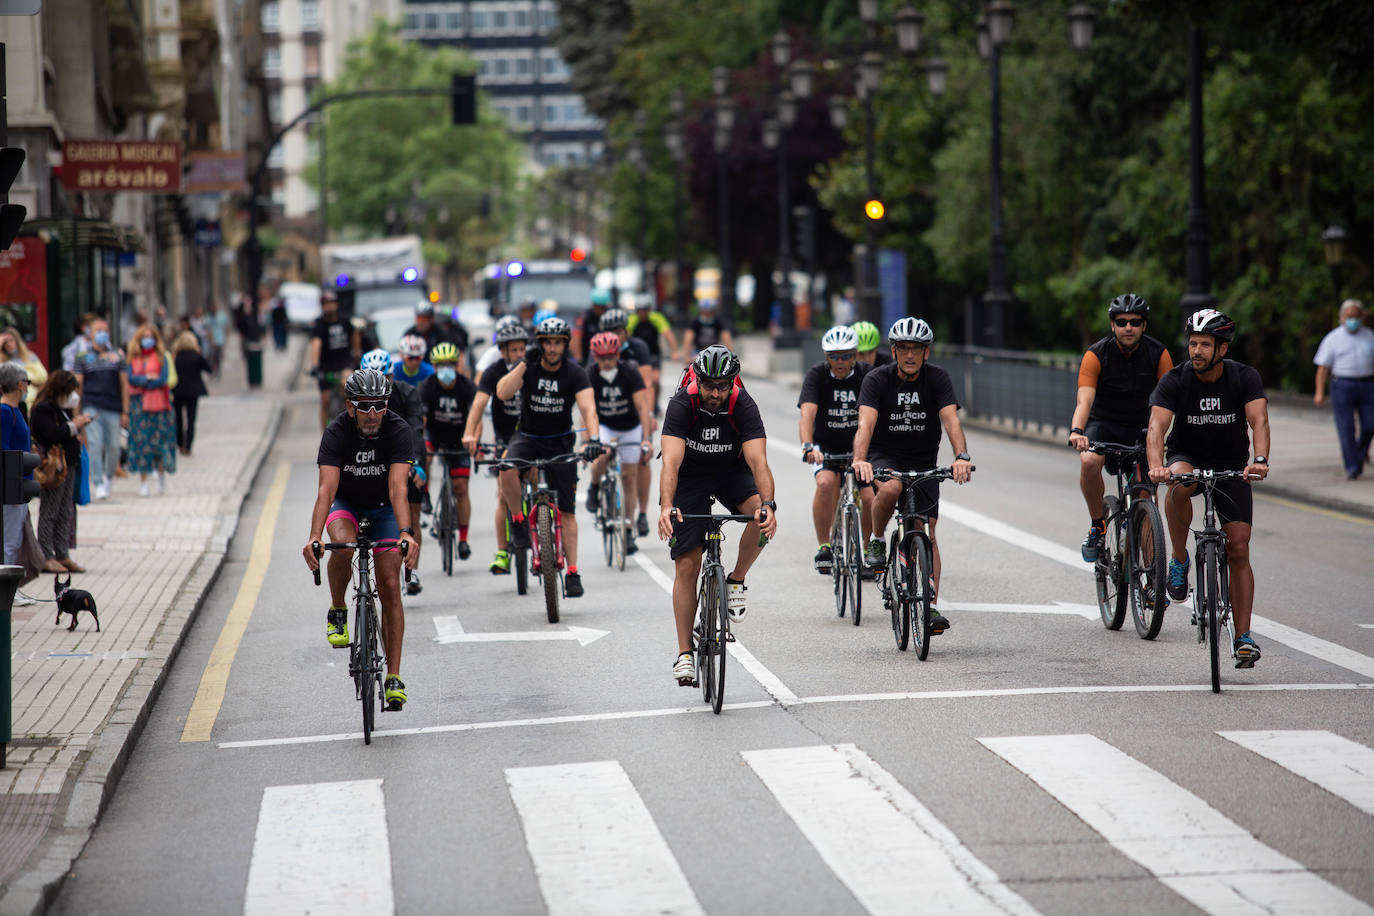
(80, 698)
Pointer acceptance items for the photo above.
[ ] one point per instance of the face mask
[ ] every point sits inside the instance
(609, 374)
(148, 343)
(73, 400)
(446, 375)
(102, 338)
(1353, 324)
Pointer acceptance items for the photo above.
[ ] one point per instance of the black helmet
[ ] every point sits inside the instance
(614, 319)
(1129, 304)
(368, 383)
(511, 330)
(553, 327)
(1210, 321)
(716, 362)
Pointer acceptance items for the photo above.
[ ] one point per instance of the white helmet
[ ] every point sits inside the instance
(840, 338)
(910, 329)
(412, 345)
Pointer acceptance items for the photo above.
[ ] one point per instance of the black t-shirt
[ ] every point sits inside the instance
(1124, 382)
(336, 342)
(715, 441)
(615, 405)
(908, 412)
(505, 415)
(446, 409)
(547, 398)
(837, 405)
(453, 333)
(1209, 417)
(881, 358)
(635, 350)
(707, 330)
(364, 462)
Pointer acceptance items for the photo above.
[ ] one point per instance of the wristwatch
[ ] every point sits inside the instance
(771, 504)
(1077, 431)
(409, 531)
(963, 456)
(1260, 459)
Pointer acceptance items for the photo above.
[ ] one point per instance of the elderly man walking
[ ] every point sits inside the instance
(1346, 354)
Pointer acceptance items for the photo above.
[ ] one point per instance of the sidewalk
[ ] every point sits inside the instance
(1306, 453)
(80, 699)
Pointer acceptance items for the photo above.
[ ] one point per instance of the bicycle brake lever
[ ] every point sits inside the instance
(315, 548)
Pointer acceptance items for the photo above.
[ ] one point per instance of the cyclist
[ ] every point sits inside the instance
(549, 386)
(446, 397)
(707, 329)
(1211, 400)
(434, 333)
(413, 368)
(505, 417)
(334, 345)
(714, 446)
(404, 401)
(899, 404)
(622, 407)
(364, 458)
(870, 341)
(1115, 379)
(492, 354)
(829, 405)
(634, 350)
(652, 327)
(588, 325)
(525, 312)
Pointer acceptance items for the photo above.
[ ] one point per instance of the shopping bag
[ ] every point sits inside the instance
(83, 482)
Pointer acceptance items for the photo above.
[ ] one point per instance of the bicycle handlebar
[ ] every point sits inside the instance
(722, 518)
(932, 474)
(1116, 448)
(1205, 477)
(364, 543)
(525, 464)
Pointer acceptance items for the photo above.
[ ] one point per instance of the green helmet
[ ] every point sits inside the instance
(868, 334)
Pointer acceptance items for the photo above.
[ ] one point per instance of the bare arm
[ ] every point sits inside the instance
(324, 498)
(1160, 418)
(1081, 409)
(868, 418)
(689, 337)
(673, 448)
(472, 432)
(756, 456)
(727, 338)
(586, 405)
(314, 358)
(1323, 373)
(806, 428)
(510, 382)
(1257, 415)
(668, 335)
(949, 418)
(396, 490)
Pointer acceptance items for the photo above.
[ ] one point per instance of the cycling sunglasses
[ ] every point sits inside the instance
(369, 406)
(705, 385)
(841, 357)
(1133, 322)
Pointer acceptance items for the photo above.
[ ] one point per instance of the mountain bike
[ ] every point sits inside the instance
(1212, 588)
(711, 632)
(445, 527)
(610, 510)
(907, 581)
(546, 525)
(1132, 560)
(846, 540)
(519, 556)
(366, 664)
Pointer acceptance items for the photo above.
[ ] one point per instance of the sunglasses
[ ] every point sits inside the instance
(369, 406)
(715, 386)
(1132, 322)
(841, 357)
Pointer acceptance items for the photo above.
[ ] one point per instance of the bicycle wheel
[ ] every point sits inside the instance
(366, 640)
(718, 635)
(447, 516)
(603, 519)
(1147, 569)
(1213, 612)
(615, 518)
(548, 558)
(838, 583)
(895, 586)
(708, 647)
(1111, 596)
(853, 562)
(919, 577)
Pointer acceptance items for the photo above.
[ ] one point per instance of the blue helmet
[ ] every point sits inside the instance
(378, 359)
(540, 315)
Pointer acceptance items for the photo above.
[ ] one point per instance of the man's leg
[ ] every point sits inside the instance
(340, 567)
(570, 538)
(865, 512)
(749, 546)
(1090, 482)
(884, 502)
(1364, 405)
(630, 491)
(95, 440)
(393, 613)
(110, 419)
(1242, 581)
(823, 503)
(464, 505)
(1178, 513)
(686, 569)
(1343, 412)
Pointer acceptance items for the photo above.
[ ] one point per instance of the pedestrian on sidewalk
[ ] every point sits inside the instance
(190, 366)
(13, 350)
(218, 323)
(56, 423)
(279, 322)
(80, 343)
(1346, 355)
(14, 436)
(105, 396)
(152, 430)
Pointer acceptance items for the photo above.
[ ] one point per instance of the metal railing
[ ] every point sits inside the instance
(1022, 388)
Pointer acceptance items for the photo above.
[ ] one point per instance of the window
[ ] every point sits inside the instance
(312, 60)
(550, 19)
(522, 19)
(498, 19)
(522, 114)
(550, 114)
(271, 61)
(502, 66)
(572, 112)
(271, 17)
(522, 66)
(274, 108)
(431, 22)
(482, 68)
(454, 22)
(412, 22)
(479, 20)
(310, 15)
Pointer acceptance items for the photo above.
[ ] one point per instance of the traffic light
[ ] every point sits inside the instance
(577, 255)
(16, 489)
(874, 209)
(463, 90)
(11, 215)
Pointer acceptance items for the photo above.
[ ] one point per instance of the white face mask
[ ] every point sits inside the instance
(609, 374)
(74, 399)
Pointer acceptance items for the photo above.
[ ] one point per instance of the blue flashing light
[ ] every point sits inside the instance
(410, 274)
(342, 280)
(493, 271)
(514, 269)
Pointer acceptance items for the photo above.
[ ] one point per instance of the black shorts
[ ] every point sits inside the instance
(927, 491)
(1121, 434)
(328, 379)
(562, 478)
(1234, 499)
(693, 497)
(459, 460)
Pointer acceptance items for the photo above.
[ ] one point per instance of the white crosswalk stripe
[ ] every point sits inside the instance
(321, 848)
(886, 847)
(1337, 764)
(596, 848)
(1191, 847)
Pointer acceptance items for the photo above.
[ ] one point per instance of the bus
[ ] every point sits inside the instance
(376, 274)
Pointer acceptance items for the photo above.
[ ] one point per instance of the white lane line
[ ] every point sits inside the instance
(1365, 626)
(1086, 611)
(596, 848)
(888, 849)
(786, 448)
(769, 681)
(450, 630)
(763, 704)
(1321, 649)
(321, 848)
(1191, 847)
(1336, 764)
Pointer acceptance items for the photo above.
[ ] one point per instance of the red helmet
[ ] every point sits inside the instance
(606, 344)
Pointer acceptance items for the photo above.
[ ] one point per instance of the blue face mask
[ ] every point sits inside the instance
(446, 375)
(102, 338)
(1353, 324)
(148, 343)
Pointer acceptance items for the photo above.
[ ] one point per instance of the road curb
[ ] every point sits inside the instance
(83, 799)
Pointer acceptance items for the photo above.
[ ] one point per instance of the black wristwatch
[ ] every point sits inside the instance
(1077, 431)
(409, 531)
(771, 504)
(963, 456)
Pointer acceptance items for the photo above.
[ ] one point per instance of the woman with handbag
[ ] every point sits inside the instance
(57, 426)
(152, 428)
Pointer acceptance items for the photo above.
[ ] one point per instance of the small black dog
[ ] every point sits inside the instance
(72, 600)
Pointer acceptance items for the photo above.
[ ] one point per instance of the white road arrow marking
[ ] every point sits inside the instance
(450, 631)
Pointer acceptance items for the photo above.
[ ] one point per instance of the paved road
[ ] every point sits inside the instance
(1036, 762)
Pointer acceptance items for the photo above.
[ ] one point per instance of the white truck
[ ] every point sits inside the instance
(375, 274)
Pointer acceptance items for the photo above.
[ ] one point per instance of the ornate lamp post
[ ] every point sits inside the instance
(1199, 273)
(673, 141)
(795, 83)
(725, 126)
(1333, 246)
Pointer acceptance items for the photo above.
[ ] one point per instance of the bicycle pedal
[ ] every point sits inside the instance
(687, 682)
(729, 637)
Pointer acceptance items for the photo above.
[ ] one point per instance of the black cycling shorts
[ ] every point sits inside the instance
(1119, 433)
(1234, 499)
(562, 478)
(732, 489)
(927, 491)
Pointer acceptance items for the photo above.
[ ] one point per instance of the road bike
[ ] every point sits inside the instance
(519, 556)
(846, 539)
(610, 510)
(445, 526)
(711, 631)
(907, 581)
(1131, 561)
(366, 664)
(1212, 588)
(545, 520)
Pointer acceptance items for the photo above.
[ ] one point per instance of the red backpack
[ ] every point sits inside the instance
(689, 382)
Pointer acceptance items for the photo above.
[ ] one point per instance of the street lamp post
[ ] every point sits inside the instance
(994, 32)
(1199, 276)
(794, 85)
(673, 140)
(639, 161)
(725, 125)
(1333, 246)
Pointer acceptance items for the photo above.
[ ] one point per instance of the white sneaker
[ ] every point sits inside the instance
(102, 491)
(685, 669)
(143, 489)
(735, 602)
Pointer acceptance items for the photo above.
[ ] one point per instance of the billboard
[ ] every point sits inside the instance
(210, 172)
(151, 166)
